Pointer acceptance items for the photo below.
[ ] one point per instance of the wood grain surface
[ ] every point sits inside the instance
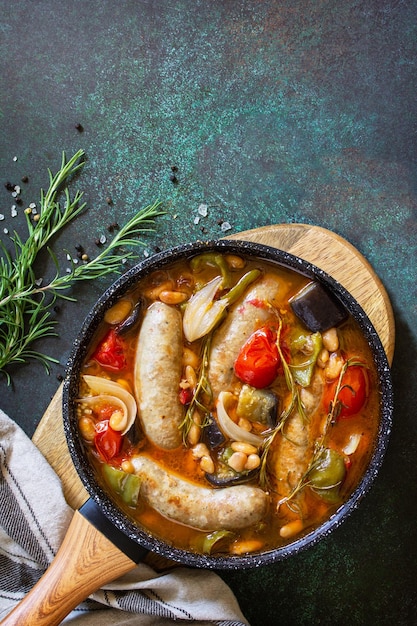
(317, 245)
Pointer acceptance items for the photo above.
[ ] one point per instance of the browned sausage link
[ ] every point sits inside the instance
(200, 507)
(243, 319)
(158, 374)
(293, 451)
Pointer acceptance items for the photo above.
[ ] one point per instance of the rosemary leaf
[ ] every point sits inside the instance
(25, 306)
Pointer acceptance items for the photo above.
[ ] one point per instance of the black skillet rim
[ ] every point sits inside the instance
(86, 473)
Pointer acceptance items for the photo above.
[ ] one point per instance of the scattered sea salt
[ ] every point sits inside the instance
(103, 239)
(145, 253)
(196, 220)
(13, 211)
(203, 210)
(6, 231)
(1, 216)
(32, 205)
(225, 226)
(15, 158)
(39, 282)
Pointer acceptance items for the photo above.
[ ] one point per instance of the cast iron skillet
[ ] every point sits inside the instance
(102, 543)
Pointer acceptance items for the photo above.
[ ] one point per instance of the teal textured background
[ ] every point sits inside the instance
(273, 112)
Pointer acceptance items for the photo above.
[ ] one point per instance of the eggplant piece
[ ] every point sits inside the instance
(231, 479)
(258, 405)
(318, 309)
(212, 435)
(133, 318)
(224, 475)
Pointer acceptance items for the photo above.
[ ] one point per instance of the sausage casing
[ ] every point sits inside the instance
(201, 507)
(157, 375)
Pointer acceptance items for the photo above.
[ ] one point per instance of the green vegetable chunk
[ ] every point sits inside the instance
(327, 475)
(306, 349)
(127, 486)
(257, 405)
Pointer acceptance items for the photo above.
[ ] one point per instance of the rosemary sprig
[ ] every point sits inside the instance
(25, 304)
(294, 403)
(320, 444)
(202, 389)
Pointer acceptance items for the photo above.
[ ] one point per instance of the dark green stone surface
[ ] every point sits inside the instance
(273, 112)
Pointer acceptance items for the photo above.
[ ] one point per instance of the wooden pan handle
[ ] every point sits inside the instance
(85, 561)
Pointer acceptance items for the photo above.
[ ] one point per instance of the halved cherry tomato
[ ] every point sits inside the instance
(353, 392)
(110, 351)
(108, 442)
(258, 361)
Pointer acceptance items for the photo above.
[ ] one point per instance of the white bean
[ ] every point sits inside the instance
(331, 340)
(333, 366)
(200, 450)
(238, 461)
(207, 464)
(242, 446)
(253, 462)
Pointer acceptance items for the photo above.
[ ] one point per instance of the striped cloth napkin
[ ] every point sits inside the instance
(33, 520)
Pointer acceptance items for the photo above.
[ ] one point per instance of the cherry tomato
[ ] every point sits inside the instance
(353, 392)
(108, 442)
(110, 351)
(258, 361)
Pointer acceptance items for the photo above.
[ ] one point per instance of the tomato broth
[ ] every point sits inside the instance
(265, 406)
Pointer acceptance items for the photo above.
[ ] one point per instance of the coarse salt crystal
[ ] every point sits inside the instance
(145, 253)
(103, 239)
(225, 226)
(203, 210)
(39, 282)
(13, 211)
(17, 189)
(15, 158)
(196, 220)
(1, 216)
(32, 205)
(6, 231)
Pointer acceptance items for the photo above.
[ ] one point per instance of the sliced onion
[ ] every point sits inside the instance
(105, 387)
(228, 426)
(352, 444)
(104, 398)
(202, 313)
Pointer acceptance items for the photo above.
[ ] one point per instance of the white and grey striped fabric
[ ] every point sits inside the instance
(33, 520)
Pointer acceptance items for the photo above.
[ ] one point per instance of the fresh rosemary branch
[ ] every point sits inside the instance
(294, 403)
(202, 389)
(320, 444)
(25, 304)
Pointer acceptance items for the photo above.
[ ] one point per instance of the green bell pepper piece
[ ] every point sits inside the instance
(303, 370)
(127, 486)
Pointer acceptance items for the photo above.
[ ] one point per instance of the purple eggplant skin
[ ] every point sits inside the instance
(212, 435)
(317, 308)
(233, 479)
(133, 318)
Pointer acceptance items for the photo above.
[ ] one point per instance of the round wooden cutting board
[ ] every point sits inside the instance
(319, 246)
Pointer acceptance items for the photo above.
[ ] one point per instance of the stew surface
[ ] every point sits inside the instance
(228, 405)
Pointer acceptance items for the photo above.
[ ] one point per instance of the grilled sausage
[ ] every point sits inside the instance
(158, 374)
(243, 319)
(295, 448)
(197, 506)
